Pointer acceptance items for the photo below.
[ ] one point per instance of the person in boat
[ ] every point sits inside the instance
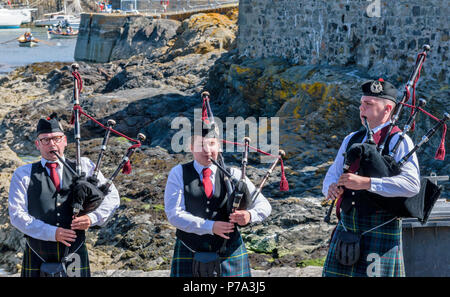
(28, 36)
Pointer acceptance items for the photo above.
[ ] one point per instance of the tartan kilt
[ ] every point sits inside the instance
(381, 249)
(234, 263)
(31, 262)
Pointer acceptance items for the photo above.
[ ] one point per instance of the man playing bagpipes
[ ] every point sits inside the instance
(378, 232)
(42, 199)
(375, 178)
(208, 242)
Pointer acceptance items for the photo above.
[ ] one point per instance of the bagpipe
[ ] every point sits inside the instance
(86, 191)
(238, 194)
(372, 160)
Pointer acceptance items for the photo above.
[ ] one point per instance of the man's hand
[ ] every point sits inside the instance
(354, 182)
(334, 192)
(220, 228)
(241, 217)
(65, 236)
(81, 223)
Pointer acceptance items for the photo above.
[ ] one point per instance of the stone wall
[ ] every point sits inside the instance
(382, 36)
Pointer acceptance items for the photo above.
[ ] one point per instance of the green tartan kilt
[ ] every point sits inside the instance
(381, 249)
(234, 263)
(31, 262)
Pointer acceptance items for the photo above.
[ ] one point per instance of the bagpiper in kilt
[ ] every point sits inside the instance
(40, 205)
(42, 195)
(367, 239)
(208, 243)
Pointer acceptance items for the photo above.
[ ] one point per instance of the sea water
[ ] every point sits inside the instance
(51, 50)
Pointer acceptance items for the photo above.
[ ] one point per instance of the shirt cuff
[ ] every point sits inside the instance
(209, 226)
(376, 184)
(52, 233)
(253, 215)
(93, 218)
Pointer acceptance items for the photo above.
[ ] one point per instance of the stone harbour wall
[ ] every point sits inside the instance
(382, 36)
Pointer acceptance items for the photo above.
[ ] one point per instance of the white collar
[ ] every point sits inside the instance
(45, 161)
(199, 168)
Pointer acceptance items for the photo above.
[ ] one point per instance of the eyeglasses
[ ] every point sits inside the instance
(56, 139)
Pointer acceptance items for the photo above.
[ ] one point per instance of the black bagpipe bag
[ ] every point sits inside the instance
(373, 164)
(85, 194)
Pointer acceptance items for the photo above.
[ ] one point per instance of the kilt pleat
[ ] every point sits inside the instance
(381, 249)
(234, 263)
(31, 262)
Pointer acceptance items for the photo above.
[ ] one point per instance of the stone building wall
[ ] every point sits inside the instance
(382, 36)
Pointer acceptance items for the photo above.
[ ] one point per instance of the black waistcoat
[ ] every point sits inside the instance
(51, 207)
(199, 205)
(361, 199)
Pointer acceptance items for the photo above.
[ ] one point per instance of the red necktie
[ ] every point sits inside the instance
(53, 174)
(207, 184)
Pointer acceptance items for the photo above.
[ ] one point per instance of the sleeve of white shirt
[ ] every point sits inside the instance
(336, 169)
(407, 183)
(18, 208)
(111, 201)
(175, 208)
(260, 208)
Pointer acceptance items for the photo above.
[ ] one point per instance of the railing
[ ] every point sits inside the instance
(171, 6)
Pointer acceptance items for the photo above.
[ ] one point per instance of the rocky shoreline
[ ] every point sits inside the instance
(315, 104)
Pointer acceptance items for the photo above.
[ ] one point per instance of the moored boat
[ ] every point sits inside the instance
(10, 18)
(55, 19)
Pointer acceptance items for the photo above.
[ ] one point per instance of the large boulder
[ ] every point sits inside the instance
(144, 36)
(203, 33)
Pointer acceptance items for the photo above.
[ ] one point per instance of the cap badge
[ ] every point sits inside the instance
(376, 87)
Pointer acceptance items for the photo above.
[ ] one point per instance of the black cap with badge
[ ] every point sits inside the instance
(379, 88)
(49, 125)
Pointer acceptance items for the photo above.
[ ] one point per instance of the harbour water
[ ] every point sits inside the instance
(50, 50)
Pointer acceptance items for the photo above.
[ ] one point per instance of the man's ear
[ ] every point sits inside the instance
(388, 108)
(36, 143)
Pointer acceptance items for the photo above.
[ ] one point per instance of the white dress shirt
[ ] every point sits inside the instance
(27, 224)
(180, 218)
(406, 184)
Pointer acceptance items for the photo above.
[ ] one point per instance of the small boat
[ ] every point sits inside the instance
(55, 19)
(53, 34)
(70, 16)
(28, 43)
(24, 42)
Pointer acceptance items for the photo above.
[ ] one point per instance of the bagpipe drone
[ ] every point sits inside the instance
(237, 191)
(86, 192)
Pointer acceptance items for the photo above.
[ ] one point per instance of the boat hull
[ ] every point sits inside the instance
(28, 44)
(52, 35)
(10, 19)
